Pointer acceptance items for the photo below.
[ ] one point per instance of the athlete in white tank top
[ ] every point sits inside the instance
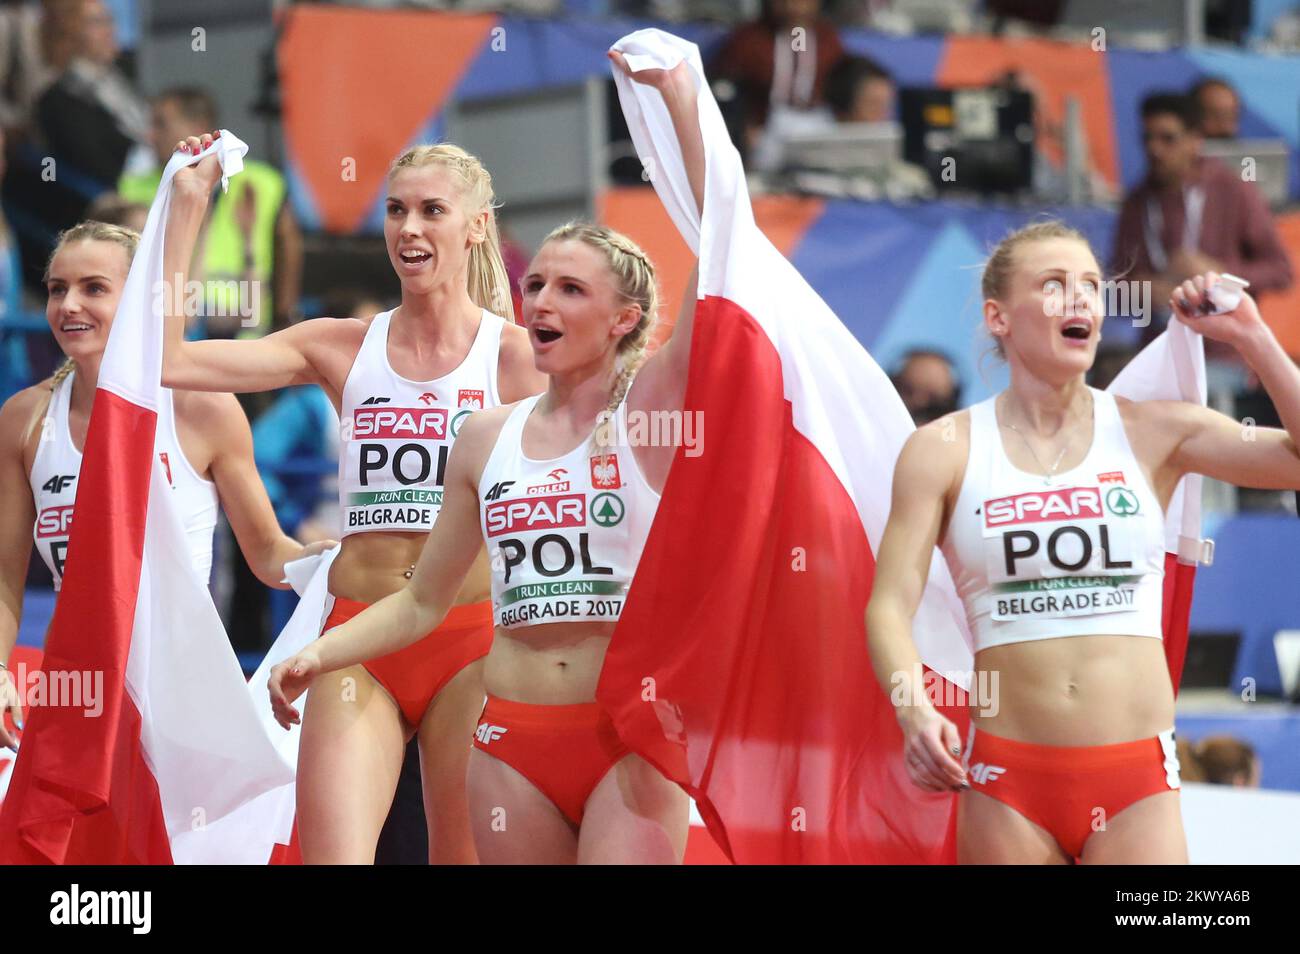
(57, 466)
(1078, 553)
(395, 434)
(564, 535)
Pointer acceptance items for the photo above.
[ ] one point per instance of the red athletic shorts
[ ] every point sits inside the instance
(414, 675)
(563, 750)
(1061, 788)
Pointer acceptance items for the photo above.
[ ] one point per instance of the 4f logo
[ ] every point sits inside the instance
(604, 472)
(498, 489)
(487, 732)
(428, 397)
(58, 483)
(376, 400)
(982, 774)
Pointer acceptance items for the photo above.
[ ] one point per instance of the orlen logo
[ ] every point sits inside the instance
(536, 513)
(53, 522)
(558, 483)
(400, 422)
(1075, 503)
(428, 397)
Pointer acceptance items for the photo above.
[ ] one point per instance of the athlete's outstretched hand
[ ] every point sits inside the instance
(931, 747)
(288, 681)
(1231, 327)
(204, 175)
(677, 79)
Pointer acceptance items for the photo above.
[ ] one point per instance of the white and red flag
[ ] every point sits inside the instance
(173, 743)
(1172, 368)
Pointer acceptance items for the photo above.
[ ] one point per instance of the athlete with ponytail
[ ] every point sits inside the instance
(204, 442)
(1048, 501)
(404, 383)
(564, 504)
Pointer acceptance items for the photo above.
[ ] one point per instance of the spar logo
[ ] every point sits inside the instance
(1122, 502)
(555, 512)
(604, 472)
(557, 484)
(53, 522)
(458, 420)
(607, 510)
(470, 398)
(418, 423)
(1039, 506)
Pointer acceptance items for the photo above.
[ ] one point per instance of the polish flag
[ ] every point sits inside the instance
(1172, 368)
(176, 744)
(742, 672)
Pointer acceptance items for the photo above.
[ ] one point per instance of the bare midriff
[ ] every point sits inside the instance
(371, 566)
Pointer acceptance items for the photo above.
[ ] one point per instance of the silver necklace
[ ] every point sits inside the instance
(1051, 471)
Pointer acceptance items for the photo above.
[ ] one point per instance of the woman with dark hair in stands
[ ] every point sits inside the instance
(1048, 501)
(208, 449)
(403, 383)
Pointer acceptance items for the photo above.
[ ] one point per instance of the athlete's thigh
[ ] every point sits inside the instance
(992, 833)
(513, 822)
(634, 816)
(446, 739)
(1148, 832)
(350, 755)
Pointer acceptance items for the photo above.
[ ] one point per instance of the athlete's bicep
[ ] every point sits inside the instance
(243, 366)
(17, 515)
(1240, 453)
(921, 480)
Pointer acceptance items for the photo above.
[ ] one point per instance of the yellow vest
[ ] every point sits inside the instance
(223, 253)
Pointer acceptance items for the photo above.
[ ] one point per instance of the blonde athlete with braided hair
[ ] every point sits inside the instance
(564, 504)
(203, 440)
(404, 383)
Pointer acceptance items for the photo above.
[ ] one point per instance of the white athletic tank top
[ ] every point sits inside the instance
(58, 465)
(564, 535)
(1081, 554)
(395, 435)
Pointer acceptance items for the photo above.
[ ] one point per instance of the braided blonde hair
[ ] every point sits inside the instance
(634, 279)
(129, 240)
(489, 285)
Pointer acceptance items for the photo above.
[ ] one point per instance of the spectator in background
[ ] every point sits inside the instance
(927, 383)
(91, 117)
(1219, 107)
(115, 210)
(35, 46)
(1219, 760)
(778, 64)
(860, 90)
(251, 234)
(1192, 214)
